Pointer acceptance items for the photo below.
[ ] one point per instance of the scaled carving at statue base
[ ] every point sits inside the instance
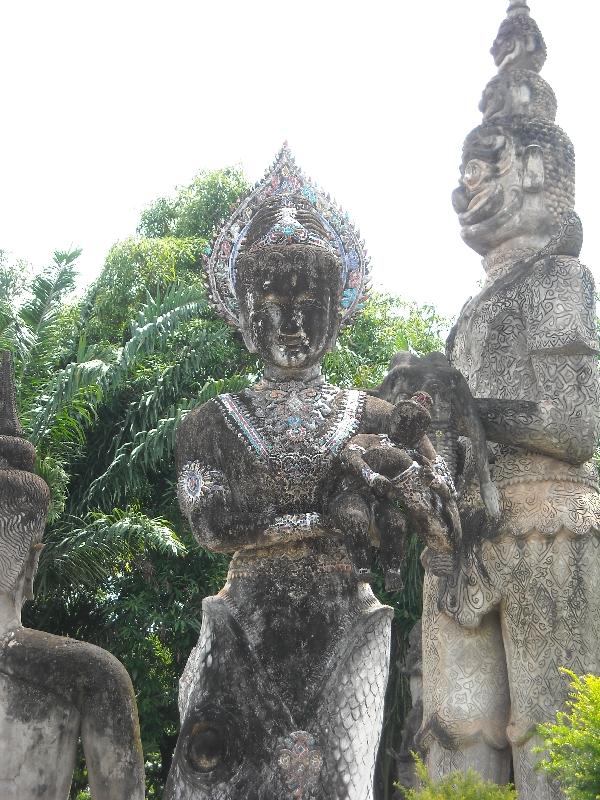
(54, 691)
(523, 600)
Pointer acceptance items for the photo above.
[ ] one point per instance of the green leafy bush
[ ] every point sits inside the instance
(457, 787)
(573, 741)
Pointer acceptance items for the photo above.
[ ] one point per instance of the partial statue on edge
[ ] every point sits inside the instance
(283, 696)
(524, 599)
(53, 690)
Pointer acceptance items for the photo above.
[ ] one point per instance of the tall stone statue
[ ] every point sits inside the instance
(524, 599)
(282, 699)
(53, 690)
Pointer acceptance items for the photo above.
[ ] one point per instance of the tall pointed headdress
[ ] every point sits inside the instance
(519, 52)
(519, 106)
(285, 180)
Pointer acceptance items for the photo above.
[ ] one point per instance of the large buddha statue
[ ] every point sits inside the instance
(524, 600)
(54, 691)
(283, 696)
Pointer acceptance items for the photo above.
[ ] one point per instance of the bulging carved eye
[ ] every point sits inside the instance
(472, 172)
(206, 746)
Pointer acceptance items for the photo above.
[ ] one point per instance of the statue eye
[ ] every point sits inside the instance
(472, 172)
(206, 747)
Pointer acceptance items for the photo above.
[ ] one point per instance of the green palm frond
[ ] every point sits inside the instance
(62, 391)
(156, 320)
(43, 314)
(84, 551)
(15, 335)
(53, 472)
(207, 353)
(48, 290)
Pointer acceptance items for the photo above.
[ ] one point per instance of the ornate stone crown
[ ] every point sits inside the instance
(285, 182)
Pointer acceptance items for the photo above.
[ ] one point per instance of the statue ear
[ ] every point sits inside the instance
(31, 569)
(246, 333)
(533, 179)
(531, 43)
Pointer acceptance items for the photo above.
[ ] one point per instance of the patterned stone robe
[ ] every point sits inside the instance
(527, 599)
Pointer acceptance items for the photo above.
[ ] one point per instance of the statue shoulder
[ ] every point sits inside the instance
(560, 307)
(198, 431)
(74, 670)
(559, 269)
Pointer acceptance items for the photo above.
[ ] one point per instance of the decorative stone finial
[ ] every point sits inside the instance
(9, 421)
(517, 7)
(519, 52)
(15, 451)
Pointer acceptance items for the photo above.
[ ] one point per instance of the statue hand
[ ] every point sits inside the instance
(379, 484)
(491, 498)
(440, 564)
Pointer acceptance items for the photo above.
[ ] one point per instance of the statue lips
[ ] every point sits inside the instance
(293, 346)
(483, 205)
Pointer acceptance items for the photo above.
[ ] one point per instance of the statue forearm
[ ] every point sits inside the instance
(222, 531)
(110, 737)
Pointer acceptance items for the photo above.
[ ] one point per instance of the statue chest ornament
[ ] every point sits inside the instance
(295, 431)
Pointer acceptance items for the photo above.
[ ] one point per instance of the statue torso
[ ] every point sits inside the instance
(293, 629)
(292, 434)
(542, 310)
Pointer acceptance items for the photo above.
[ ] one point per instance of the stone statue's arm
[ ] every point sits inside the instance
(206, 497)
(563, 345)
(110, 735)
(353, 463)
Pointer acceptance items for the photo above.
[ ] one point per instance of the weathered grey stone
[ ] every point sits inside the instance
(53, 690)
(283, 695)
(412, 667)
(523, 601)
(388, 488)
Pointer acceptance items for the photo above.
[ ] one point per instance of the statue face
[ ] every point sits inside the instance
(519, 45)
(289, 306)
(500, 198)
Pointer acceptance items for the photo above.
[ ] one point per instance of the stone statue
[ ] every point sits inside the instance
(371, 498)
(454, 412)
(283, 696)
(53, 690)
(412, 668)
(524, 600)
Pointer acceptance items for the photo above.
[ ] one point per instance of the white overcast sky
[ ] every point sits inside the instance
(107, 105)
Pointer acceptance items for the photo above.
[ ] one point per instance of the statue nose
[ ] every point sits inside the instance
(290, 326)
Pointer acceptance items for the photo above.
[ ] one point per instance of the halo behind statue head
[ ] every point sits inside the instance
(285, 178)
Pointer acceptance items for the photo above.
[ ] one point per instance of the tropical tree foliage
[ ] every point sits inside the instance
(572, 742)
(103, 382)
(457, 787)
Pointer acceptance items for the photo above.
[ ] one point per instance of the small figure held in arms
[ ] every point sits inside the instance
(393, 483)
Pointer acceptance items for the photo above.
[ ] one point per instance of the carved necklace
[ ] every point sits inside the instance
(294, 428)
(500, 264)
